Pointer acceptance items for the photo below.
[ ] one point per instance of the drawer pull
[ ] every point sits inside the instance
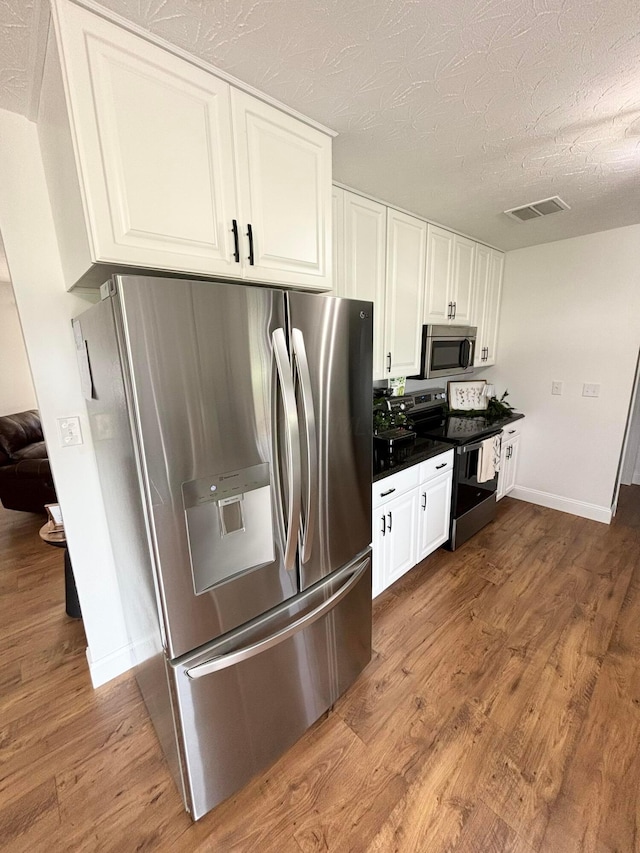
(511, 431)
(441, 465)
(388, 492)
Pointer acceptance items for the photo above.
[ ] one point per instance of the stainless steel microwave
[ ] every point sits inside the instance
(446, 351)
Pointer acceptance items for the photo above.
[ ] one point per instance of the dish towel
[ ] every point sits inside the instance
(489, 458)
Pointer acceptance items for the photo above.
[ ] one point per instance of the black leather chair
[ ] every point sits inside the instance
(26, 483)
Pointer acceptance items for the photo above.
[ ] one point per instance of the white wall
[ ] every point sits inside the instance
(45, 310)
(571, 312)
(16, 388)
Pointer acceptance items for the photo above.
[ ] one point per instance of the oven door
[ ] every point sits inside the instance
(448, 356)
(473, 503)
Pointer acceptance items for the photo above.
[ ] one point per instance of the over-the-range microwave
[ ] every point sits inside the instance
(446, 351)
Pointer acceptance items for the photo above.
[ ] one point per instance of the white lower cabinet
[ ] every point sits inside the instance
(434, 515)
(411, 511)
(508, 461)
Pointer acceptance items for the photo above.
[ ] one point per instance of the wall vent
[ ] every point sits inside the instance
(536, 209)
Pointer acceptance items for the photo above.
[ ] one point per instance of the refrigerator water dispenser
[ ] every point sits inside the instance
(229, 524)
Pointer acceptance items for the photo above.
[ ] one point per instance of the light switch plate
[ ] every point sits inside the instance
(590, 389)
(70, 432)
(556, 387)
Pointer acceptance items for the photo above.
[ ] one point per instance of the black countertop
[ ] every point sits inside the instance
(385, 464)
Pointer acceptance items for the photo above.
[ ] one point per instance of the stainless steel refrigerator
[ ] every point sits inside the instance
(232, 429)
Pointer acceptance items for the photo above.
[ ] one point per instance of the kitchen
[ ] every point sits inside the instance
(573, 276)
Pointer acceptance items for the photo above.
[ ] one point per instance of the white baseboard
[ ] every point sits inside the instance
(111, 666)
(585, 510)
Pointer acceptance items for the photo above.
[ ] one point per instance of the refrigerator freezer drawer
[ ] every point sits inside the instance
(245, 700)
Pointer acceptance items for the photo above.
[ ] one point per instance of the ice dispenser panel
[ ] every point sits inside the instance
(229, 524)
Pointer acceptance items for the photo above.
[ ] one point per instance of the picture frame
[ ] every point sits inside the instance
(467, 396)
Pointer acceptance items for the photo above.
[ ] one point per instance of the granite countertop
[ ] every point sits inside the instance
(385, 464)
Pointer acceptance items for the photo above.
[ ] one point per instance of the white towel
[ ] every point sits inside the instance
(489, 458)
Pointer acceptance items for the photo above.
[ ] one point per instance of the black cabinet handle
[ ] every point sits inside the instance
(442, 465)
(388, 492)
(450, 313)
(390, 520)
(384, 525)
(455, 308)
(388, 362)
(236, 253)
(250, 236)
(424, 500)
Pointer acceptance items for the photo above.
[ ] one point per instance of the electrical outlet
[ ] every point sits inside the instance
(590, 389)
(70, 432)
(556, 387)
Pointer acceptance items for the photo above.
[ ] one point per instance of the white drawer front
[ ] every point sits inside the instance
(436, 465)
(390, 487)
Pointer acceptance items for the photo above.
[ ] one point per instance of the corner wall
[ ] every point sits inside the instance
(16, 387)
(571, 312)
(46, 310)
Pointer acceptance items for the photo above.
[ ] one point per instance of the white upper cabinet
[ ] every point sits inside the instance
(450, 266)
(364, 263)
(151, 145)
(488, 293)
(337, 232)
(404, 301)
(438, 307)
(284, 177)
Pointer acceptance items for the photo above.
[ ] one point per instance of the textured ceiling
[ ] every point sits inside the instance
(454, 109)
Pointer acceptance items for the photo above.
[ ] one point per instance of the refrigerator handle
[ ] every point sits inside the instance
(285, 377)
(250, 651)
(302, 365)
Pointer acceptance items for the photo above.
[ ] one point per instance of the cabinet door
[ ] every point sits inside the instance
(284, 177)
(434, 513)
(462, 289)
(337, 231)
(492, 306)
(513, 446)
(480, 295)
(404, 299)
(365, 244)
(439, 275)
(379, 556)
(401, 536)
(152, 137)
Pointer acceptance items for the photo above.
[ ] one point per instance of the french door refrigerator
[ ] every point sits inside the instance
(232, 430)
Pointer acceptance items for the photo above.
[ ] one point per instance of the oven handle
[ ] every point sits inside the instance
(465, 448)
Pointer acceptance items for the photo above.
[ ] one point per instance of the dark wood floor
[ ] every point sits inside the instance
(501, 712)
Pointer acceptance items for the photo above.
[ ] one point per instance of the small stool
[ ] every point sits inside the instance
(58, 540)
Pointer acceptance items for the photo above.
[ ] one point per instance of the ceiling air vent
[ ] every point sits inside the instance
(537, 208)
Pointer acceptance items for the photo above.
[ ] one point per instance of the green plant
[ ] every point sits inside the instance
(383, 419)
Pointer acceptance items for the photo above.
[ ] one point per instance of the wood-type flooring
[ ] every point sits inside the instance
(500, 712)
